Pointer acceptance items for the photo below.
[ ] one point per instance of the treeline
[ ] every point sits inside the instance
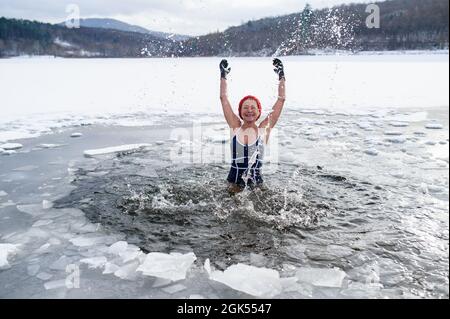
(22, 37)
(405, 25)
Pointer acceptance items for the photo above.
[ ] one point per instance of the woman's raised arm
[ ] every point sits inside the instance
(231, 118)
(272, 119)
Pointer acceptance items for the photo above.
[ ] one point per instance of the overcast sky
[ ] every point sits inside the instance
(191, 17)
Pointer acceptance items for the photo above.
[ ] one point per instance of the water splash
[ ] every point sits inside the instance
(330, 30)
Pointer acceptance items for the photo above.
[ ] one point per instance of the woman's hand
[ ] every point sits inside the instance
(224, 69)
(279, 68)
(232, 119)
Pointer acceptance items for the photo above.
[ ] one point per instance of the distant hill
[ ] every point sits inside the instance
(114, 24)
(22, 37)
(405, 25)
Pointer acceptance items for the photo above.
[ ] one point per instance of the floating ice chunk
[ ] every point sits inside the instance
(196, 296)
(207, 266)
(62, 263)
(259, 282)
(114, 149)
(49, 145)
(365, 126)
(44, 276)
(431, 143)
(434, 126)
(76, 134)
(2, 150)
(55, 284)
(11, 146)
(83, 228)
(128, 271)
(54, 241)
(34, 210)
(85, 241)
(399, 124)
(160, 282)
(125, 251)
(6, 251)
(95, 262)
(118, 248)
(372, 152)
(10, 152)
(412, 117)
(173, 266)
(44, 248)
(46, 204)
(393, 133)
(159, 143)
(321, 277)
(3, 193)
(436, 189)
(174, 289)
(289, 284)
(131, 253)
(396, 140)
(32, 270)
(110, 268)
(42, 222)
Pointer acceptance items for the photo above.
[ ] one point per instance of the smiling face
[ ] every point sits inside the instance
(250, 111)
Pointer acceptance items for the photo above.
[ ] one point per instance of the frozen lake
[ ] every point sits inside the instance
(38, 94)
(355, 203)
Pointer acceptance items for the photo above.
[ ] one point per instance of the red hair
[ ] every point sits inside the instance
(250, 97)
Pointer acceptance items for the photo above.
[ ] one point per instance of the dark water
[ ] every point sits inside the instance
(166, 207)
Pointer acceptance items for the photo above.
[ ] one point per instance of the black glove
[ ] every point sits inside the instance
(224, 69)
(279, 68)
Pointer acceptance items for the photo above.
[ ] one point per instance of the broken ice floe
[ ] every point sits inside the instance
(434, 126)
(399, 124)
(7, 251)
(76, 135)
(174, 289)
(10, 146)
(8, 152)
(49, 146)
(127, 271)
(259, 282)
(393, 133)
(321, 277)
(125, 251)
(372, 152)
(55, 284)
(95, 262)
(114, 149)
(173, 266)
(396, 139)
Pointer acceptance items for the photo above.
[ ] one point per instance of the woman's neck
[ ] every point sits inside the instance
(247, 125)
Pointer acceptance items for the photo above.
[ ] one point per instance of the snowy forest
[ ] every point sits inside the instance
(405, 25)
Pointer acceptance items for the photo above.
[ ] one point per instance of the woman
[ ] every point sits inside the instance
(249, 138)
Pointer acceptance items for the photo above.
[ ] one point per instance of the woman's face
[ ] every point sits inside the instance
(250, 111)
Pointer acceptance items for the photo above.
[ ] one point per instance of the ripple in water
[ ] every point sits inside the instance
(185, 208)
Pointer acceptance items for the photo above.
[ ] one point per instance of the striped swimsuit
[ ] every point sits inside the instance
(247, 162)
